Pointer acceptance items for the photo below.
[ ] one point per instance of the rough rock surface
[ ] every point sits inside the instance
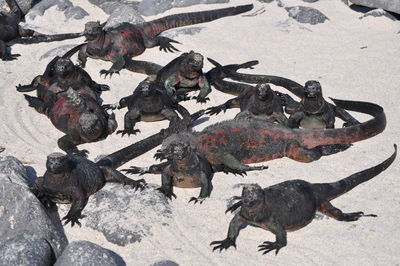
(25, 5)
(60, 51)
(154, 7)
(84, 253)
(70, 11)
(124, 215)
(21, 212)
(123, 13)
(389, 5)
(378, 13)
(165, 263)
(305, 14)
(186, 31)
(26, 249)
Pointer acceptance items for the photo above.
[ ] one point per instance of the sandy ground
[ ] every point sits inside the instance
(353, 59)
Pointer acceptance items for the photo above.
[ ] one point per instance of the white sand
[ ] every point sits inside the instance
(331, 53)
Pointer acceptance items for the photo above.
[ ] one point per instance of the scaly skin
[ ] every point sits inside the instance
(11, 33)
(148, 103)
(126, 41)
(268, 208)
(259, 102)
(251, 141)
(79, 116)
(184, 74)
(72, 179)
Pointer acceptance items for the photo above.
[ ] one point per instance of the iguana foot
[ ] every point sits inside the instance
(223, 244)
(83, 153)
(42, 197)
(104, 87)
(216, 109)
(10, 57)
(167, 192)
(73, 218)
(24, 88)
(200, 99)
(166, 46)
(257, 168)
(354, 216)
(128, 131)
(332, 149)
(136, 170)
(112, 106)
(268, 246)
(159, 155)
(195, 200)
(141, 183)
(108, 72)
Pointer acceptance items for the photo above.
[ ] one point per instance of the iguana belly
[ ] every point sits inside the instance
(186, 181)
(312, 122)
(152, 117)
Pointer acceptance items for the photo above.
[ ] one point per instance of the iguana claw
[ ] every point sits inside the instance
(223, 244)
(128, 131)
(108, 72)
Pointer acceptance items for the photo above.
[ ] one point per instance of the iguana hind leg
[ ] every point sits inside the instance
(130, 119)
(67, 144)
(112, 175)
(300, 154)
(328, 209)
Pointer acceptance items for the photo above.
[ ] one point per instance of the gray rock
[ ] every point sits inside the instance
(121, 14)
(70, 11)
(109, 6)
(165, 263)
(21, 212)
(378, 13)
(26, 249)
(305, 14)
(25, 5)
(185, 31)
(266, 1)
(124, 215)
(346, 2)
(60, 51)
(84, 253)
(310, 1)
(154, 7)
(388, 5)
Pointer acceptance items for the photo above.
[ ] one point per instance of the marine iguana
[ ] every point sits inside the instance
(291, 205)
(259, 102)
(253, 141)
(126, 41)
(296, 89)
(314, 111)
(11, 33)
(62, 72)
(78, 115)
(73, 179)
(184, 74)
(187, 168)
(148, 103)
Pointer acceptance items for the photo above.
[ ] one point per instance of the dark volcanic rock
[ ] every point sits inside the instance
(378, 13)
(310, 1)
(124, 215)
(26, 249)
(154, 7)
(25, 5)
(123, 13)
(389, 5)
(266, 1)
(305, 14)
(85, 253)
(165, 263)
(21, 212)
(70, 11)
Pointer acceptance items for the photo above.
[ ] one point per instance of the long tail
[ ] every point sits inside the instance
(143, 67)
(155, 27)
(347, 135)
(45, 38)
(335, 189)
(14, 8)
(74, 50)
(132, 151)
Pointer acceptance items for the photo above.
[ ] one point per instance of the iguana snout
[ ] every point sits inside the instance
(252, 194)
(93, 29)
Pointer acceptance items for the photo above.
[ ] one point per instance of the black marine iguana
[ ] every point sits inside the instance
(324, 116)
(120, 44)
(187, 168)
(184, 74)
(12, 33)
(291, 205)
(148, 103)
(73, 179)
(259, 102)
(314, 111)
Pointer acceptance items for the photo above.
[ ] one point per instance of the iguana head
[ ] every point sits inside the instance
(313, 100)
(264, 92)
(56, 163)
(93, 29)
(63, 67)
(194, 61)
(252, 195)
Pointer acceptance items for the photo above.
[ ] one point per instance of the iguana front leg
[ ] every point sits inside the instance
(233, 232)
(78, 203)
(281, 240)
(130, 119)
(234, 165)
(153, 169)
(82, 56)
(206, 188)
(169, 84)
(5, 55)
(232, 103)
(67, 144)
(295, 118)
(118, 64)
(205, 89)
(167, 184)
(112, 175)
(348, 119)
